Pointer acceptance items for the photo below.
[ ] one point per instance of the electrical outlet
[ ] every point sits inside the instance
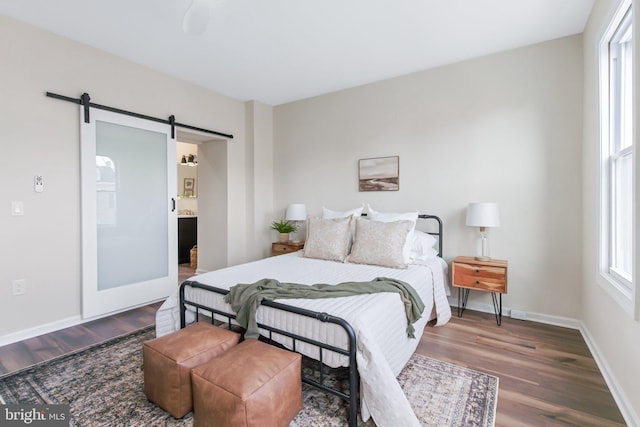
(18, 286)
(17, 208)
(518, 314)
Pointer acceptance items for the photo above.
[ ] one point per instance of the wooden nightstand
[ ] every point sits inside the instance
(489, 276)
(278, 248)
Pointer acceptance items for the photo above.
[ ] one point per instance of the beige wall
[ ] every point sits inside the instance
(40, 135)
(616, 336)
(260, 180)
(504, 128)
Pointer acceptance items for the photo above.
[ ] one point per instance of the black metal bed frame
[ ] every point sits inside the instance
(350, 351)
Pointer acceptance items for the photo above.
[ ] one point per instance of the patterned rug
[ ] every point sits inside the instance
(104, 386)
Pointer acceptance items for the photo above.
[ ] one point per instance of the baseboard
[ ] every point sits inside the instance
(565, 322)
(40, 330)
(60, 324)
(631, 417)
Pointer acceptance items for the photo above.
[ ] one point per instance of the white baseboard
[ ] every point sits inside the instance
(631, 417)
(565, 322)
(629, 414)
(40, 330)
(60, 324)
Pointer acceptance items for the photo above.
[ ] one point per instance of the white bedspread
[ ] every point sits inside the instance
(378, 319)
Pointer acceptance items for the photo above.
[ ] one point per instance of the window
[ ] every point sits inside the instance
(617, 144)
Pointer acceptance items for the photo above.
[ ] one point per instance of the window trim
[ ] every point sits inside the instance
(623, 291)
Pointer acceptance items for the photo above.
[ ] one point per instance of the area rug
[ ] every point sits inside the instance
(103, 385)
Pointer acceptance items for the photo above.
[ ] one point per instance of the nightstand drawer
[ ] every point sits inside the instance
(483, 277)
(282, 248)
(285, 248)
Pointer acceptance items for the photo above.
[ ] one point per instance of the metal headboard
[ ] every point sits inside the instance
(433, 233)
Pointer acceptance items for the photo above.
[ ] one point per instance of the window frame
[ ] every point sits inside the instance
(618, 283)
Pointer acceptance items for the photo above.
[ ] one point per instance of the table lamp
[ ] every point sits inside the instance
(483, 215)
(296, 212)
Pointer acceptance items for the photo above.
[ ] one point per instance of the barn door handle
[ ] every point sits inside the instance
(173, 204)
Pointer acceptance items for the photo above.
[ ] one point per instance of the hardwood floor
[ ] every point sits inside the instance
(44, 347)
(547, 375)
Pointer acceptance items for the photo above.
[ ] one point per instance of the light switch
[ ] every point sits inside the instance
(17, 208)
(38, 183)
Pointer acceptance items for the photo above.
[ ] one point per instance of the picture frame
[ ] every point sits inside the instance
(379, 174)
(189, 187)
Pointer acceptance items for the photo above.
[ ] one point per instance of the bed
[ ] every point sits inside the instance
(364, 333)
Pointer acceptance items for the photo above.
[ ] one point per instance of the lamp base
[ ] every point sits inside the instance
(483, 258)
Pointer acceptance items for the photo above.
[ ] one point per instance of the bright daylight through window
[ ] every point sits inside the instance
(617, 153)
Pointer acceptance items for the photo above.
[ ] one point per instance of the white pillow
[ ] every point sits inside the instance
(424, 246)
(328, 238)
(395, 216)
(329, 214)
(380, 243)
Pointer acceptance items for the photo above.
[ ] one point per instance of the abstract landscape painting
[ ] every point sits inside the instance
(379, 174)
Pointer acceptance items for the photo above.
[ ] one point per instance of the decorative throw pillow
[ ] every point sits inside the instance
(380, 243)
(397, 216)
(328, 214)
(328, 238)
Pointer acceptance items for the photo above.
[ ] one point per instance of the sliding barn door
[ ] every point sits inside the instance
(129, 244)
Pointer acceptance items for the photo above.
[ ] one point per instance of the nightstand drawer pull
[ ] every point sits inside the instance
(477, 282)
(477, 271)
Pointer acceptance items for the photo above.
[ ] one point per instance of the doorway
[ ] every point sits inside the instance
(187, 190)
(210, 203)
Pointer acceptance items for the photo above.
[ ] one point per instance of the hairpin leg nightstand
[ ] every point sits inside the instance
(468, 273)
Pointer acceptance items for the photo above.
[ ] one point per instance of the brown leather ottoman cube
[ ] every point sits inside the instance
(253, 384)
(168, 361)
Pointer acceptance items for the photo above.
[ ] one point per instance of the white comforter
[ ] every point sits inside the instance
(378, 319)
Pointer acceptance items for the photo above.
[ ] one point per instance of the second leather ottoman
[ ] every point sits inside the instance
(253, 385)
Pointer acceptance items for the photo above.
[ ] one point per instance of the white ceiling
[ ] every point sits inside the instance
(276, 51)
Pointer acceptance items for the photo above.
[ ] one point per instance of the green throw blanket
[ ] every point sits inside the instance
(245, 298)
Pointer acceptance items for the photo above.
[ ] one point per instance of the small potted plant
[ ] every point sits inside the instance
(284, 228)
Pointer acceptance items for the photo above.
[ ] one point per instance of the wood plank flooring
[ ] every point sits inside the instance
(25, 353)
(547, 375)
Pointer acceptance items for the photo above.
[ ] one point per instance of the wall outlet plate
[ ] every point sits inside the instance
(18, 287)
(518, 314)
(17, 208)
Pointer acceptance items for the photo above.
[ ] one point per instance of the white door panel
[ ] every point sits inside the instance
(128, 175)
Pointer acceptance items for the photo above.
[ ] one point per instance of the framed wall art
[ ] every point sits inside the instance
(189, 187)
(379, 174)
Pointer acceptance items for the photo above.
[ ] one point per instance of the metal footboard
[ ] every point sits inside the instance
(350, 352)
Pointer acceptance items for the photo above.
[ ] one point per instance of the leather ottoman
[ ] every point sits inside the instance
(168, 361)
(253, 384)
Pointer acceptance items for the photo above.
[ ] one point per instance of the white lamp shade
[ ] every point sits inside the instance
(296, 212)
(483, 215)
